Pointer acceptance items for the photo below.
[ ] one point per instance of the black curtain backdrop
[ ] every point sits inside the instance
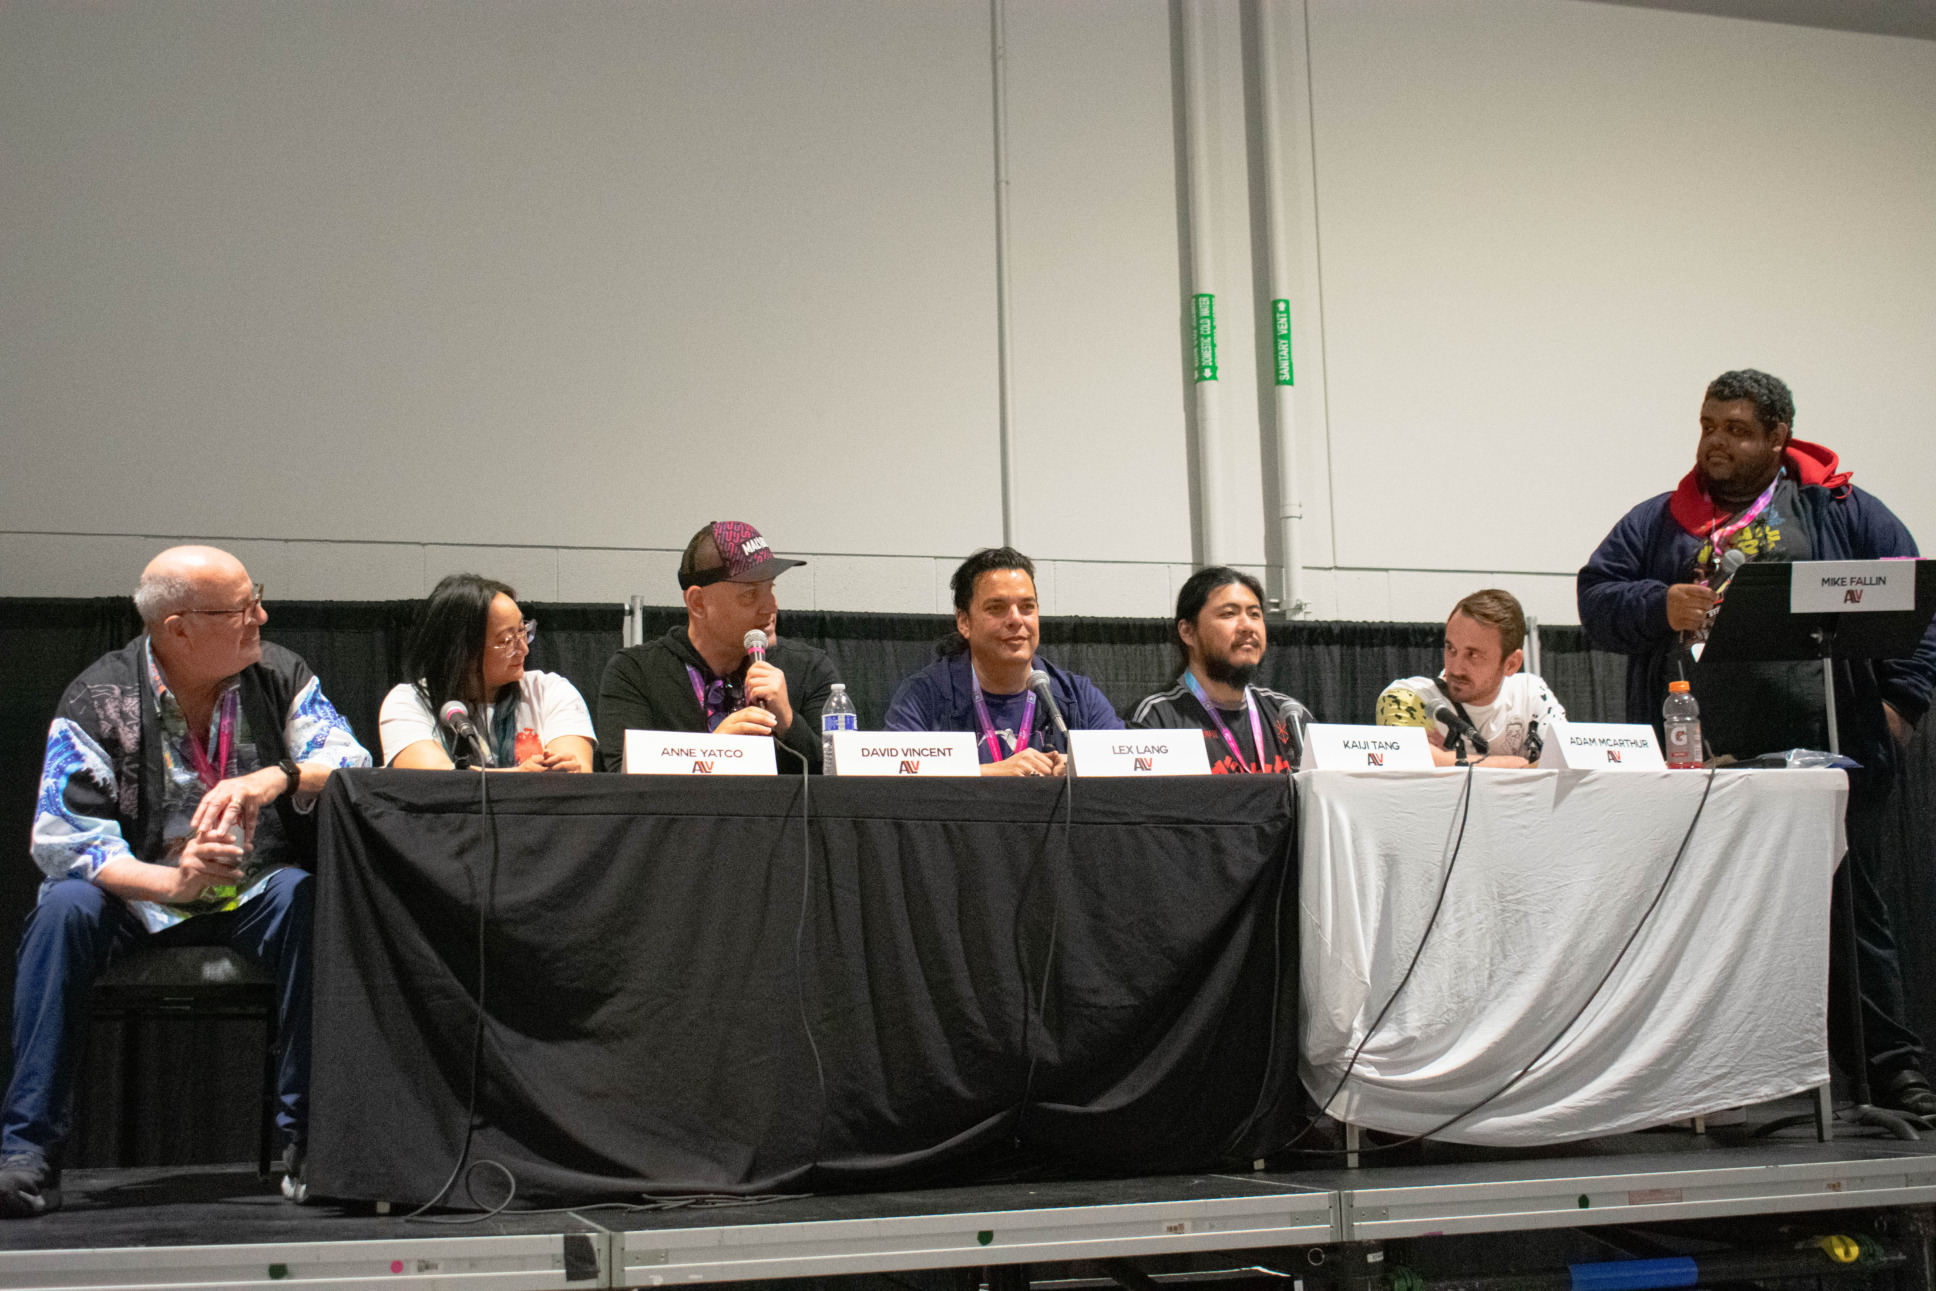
(355, 647)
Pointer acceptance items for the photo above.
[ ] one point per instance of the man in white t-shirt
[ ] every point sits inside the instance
(1481, 683)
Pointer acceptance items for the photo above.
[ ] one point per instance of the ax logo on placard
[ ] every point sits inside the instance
(1374, 759)
(1146, 764)
(701, 768)
(1613, 755)
(910, 766)
(1852, 597)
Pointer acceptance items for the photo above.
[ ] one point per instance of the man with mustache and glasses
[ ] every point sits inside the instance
(980, 683)
(1481, 680)
(1220, 642)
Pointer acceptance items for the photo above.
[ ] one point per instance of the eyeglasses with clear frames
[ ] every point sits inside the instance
(527, 631)
(255, 603)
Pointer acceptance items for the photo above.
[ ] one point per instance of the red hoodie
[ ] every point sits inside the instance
(1807, 464)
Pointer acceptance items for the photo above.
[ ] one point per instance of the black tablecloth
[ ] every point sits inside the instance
(958, 986)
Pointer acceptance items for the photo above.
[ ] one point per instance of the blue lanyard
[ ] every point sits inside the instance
(1256, 726)
(987, 723)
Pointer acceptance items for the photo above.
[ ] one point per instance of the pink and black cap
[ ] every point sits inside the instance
(730, 551)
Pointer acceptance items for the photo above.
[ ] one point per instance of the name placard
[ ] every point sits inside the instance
(1334, 747)
(683, 753)
(1120, 753)
(905, 753)
(1601, 746)
(1851, 586)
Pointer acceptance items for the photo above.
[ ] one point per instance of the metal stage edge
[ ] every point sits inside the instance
(1034, 1224)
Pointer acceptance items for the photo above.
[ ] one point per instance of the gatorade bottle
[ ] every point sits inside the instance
(1681, 723)
(838, 715)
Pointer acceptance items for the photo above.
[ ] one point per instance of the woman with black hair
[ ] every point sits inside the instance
(469, 645)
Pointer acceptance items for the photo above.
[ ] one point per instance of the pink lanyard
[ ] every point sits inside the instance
(1256, 726)
(1720, 535)
(987, 723)
(211, 774)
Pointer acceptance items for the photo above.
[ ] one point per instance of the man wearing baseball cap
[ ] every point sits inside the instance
(699, 677)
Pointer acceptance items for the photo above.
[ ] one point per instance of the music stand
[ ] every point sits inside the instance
(1757, 623)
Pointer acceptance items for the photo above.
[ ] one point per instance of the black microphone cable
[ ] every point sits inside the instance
(1033, 1008)
(1418, 953)
(799, 939)
(1647, 914)
(485, 902)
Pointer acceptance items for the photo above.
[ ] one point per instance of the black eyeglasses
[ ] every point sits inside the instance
(255, 603)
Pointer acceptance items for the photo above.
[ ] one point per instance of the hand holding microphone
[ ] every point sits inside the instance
(765, 686)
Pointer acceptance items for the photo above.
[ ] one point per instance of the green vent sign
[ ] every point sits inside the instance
(1205, 309)
(1281, 340)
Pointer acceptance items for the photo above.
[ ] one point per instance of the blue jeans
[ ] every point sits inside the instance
(72, 934)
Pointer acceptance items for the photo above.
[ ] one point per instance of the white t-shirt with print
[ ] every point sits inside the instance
(1522, 700)
(547, 704)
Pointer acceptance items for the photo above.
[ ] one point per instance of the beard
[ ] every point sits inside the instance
(1226, 671)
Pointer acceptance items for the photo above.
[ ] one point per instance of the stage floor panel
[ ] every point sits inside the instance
(179, 1227)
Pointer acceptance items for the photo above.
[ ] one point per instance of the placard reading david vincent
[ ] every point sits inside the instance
(1601, 746)
(683, 753)
(1117, 753)
(898, 753)
(1332, 747)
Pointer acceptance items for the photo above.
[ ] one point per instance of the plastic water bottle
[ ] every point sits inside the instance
(838, 715)
(1681, 723)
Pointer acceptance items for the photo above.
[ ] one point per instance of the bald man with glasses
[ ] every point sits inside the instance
(174, 810)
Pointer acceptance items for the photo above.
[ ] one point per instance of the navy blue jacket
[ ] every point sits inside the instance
(1623, 607)
(941, 697)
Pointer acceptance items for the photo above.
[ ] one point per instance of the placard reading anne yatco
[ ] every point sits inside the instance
(683, 753)
(1851, 586)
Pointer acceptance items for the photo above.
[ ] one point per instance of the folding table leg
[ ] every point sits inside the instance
(1824, 1113)
(1351, 1144)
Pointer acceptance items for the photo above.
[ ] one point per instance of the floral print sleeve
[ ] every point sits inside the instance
(73, 835)
(316, 732)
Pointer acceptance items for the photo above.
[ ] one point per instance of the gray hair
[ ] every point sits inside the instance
(161, 595)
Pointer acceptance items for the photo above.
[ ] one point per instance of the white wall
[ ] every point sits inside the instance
(286, 276)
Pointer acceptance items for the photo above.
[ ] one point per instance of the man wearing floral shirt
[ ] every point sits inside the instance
(174, 807)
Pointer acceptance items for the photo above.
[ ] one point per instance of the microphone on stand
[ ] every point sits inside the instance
(1039, 683)
(458, 718)
(1445, 716)
(1293, 714)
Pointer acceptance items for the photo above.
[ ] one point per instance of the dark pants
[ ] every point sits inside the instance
(1890, 1045)
(72, 935)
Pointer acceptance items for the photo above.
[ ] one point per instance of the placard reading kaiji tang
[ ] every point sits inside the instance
(1333, 747)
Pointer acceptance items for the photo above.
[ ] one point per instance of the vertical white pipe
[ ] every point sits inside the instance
(1278, 213)
(1004, 351)
(1200, 140)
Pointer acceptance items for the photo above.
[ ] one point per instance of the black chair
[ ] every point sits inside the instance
(187, 983)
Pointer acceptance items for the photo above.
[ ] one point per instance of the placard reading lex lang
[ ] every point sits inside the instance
(1601, 746)
(1131, 753)
(683, 753)
(900, 753)
(1332, 747)
(1851, 586)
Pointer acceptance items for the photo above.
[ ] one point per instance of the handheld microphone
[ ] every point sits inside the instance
(1731, 562)
(754, 643)
(1039, 683)
(456, 716)
(1445, 716)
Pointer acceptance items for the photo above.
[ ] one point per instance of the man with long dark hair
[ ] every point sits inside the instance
(980, 682)
(174, 809)
(1220, 642)
(699, 677)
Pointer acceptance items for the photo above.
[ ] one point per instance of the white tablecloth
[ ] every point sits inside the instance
(1721, 1001)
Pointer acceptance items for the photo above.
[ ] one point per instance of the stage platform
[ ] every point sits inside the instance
(220, 1225)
